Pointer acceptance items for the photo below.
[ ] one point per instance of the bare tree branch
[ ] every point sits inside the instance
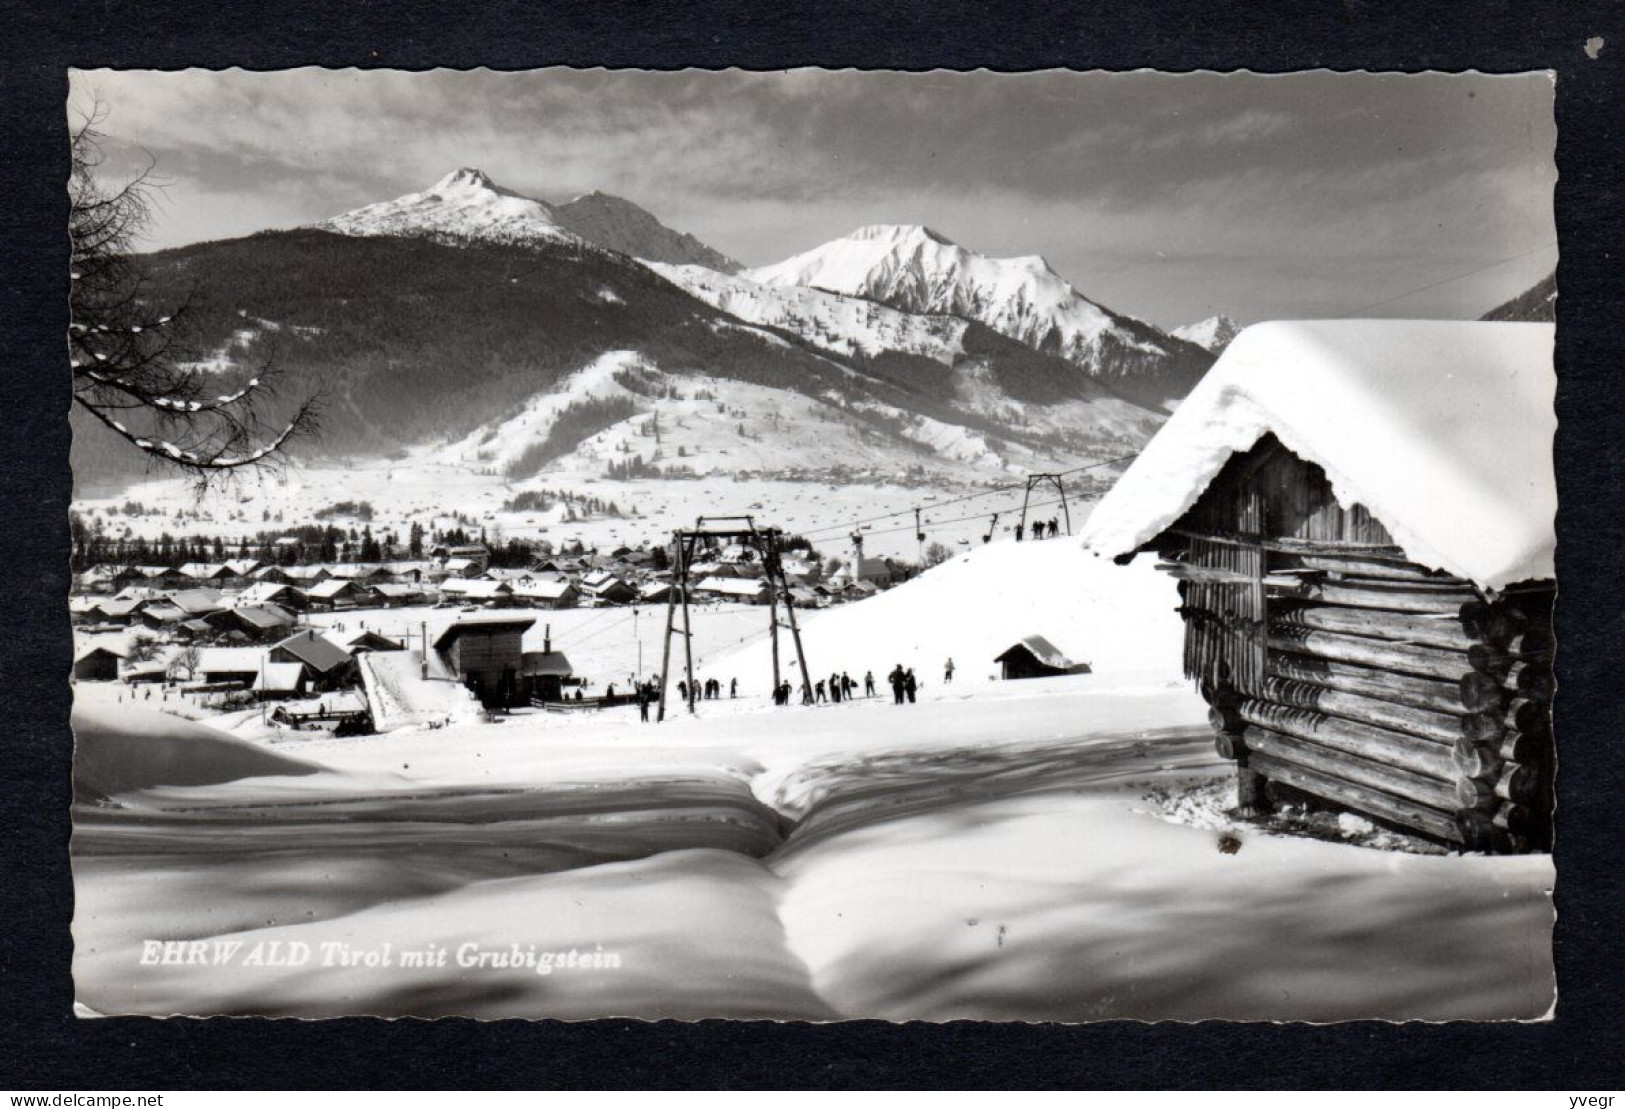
(133, 368)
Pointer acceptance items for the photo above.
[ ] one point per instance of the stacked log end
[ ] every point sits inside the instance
(1385, 688)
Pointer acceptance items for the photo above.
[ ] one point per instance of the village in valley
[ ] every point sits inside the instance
(888, 631)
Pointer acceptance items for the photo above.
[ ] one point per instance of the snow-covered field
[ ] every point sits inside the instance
(1003, 850)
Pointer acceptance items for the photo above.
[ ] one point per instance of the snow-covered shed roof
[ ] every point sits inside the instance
(477, 588)
(263, 591)
(544, 664)
(547, 589)
(320, 654)
(280, 677)
(476, 624)
(329, 588)
(1441, 429)
(197, 602)
(230, 660)
(733, 587)
(1042, 650)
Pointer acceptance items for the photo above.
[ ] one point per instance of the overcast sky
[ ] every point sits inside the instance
(1168, 197)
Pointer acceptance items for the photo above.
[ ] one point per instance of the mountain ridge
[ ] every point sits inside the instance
(916, 269)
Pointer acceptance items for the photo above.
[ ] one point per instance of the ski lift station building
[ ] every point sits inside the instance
(1360, 515)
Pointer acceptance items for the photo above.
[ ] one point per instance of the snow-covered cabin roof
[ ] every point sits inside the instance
(475, 588)
(263, 592)
(330, 588)
(1441, 429)
(197, 602)
(547, 589)
(488, 624)
(733, 587)
(320, 654)
(230, 660)
(1042, 650)
(280, 677)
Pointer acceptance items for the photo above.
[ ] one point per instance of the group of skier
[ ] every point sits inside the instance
(1042, 529)
(838, 687)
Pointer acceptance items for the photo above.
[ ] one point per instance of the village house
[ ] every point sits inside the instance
(750, 591)
(1360, 518)
(547, 591)
(327, 665)
(276, 593)
(337, 593)
(98, 664)
(478, 591)
(254, 622)
(279, 681)
(363, 639)
(232, 666)
(487, 654)
(544, 674)
(398, 593)
(206, 573)
(271, 574)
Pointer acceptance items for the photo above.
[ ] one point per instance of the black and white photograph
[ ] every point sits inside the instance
(815, 545)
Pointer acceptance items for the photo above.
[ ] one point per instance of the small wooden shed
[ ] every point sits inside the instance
(1036, 657)
(1359, 515)
(98, 664)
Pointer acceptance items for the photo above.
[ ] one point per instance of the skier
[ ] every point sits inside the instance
(896, 679)
(1018, 533)
(835, 689)
(682, 690)
(733, 688)
(820, 694)
(847, 685)
(643, 704)
(910, 685)
(948, 673)
(869, 684)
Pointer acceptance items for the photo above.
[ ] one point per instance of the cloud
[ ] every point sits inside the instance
(1242, 177)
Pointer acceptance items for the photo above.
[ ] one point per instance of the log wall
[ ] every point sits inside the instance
(1338, 668)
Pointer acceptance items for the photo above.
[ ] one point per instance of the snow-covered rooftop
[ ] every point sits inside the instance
(1443, 430)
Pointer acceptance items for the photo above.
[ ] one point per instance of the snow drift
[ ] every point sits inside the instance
(1443, 430)
(119, 751)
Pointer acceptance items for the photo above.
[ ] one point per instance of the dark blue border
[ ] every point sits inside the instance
(44, 1047)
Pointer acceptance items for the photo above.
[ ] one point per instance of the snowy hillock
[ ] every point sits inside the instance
(1121, 620)
(917, 269)
(1212, 334)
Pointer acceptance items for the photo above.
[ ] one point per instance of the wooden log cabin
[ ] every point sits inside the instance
(1380, 641)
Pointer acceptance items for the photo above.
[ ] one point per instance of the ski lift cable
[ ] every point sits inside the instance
(965, 519)
(991, 491)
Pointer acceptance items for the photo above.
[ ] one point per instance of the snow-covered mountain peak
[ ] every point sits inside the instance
(1212, 334)
(464, 204)
(898, 234)
(466, 179)
(918, 270)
